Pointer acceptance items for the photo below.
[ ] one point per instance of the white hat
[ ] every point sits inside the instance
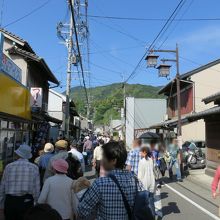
(87, 137)
(48, 148)
(24, 151)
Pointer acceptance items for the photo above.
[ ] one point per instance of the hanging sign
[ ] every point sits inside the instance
(36, 97)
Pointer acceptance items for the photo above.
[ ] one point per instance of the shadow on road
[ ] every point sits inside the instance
(170, 208)
(164, 195)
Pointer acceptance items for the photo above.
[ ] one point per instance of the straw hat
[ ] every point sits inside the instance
(61, 144)
(48, 148)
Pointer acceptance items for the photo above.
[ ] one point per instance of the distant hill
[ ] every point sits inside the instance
(107, 100)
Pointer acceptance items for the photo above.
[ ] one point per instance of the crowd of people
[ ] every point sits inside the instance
(54, 186)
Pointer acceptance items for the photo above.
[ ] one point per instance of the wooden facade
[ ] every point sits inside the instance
(212, 124)
(187, 103)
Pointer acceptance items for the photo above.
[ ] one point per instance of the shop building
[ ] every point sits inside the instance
(211, 117)
(195, 84)
(56, 109)
(24, 87)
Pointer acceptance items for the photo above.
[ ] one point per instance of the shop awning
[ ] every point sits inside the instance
(40, 117)
(169, 124)
(203, 114)
(212, 98)
(52, 119)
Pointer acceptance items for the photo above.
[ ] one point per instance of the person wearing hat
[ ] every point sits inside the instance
(87, 147)
(20, 185)
(57, 191)
(75, 153)
(61, 152)
(44, 159)
(48, 153)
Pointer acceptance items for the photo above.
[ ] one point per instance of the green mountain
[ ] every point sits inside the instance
(106, 101)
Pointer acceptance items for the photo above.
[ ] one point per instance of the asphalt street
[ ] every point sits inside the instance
(183, 201)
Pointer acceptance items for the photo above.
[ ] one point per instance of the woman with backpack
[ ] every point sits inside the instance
(146, 175)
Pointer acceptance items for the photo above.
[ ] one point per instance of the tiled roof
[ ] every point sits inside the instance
(211, 98)
(34, 57)
(21, 40)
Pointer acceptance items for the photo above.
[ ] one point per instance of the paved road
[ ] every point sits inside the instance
(184, 201)
(187, 201)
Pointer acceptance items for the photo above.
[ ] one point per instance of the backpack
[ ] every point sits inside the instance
(141, 209)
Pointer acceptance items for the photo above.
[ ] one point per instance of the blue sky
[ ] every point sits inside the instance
(117, 45)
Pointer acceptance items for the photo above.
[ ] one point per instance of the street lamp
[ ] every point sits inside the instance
(151, 60)
(163, 70)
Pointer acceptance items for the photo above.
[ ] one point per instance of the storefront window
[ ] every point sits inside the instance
(10, 146)
(4, 124)
(3, 147)
(11, 125)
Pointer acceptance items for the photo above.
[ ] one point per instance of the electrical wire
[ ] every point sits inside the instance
(78, 49)
(104, 68)
(154, 41)
(28, 14)
(152, 19)
(177, 23)
(140, 42)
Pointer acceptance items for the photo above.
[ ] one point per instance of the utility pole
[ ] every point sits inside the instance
(123, 113)
(68, 78)
(179, 127)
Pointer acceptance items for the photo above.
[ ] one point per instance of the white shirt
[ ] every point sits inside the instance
(146, 174)
(57, 192)
(79, 156)
(98, 153)
(76, 153)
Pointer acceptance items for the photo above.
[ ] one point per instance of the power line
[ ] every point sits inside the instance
(121, 32)
(152, 19)
(104, 68)
(28, 14)
(155, 39)
(78, 49)
(177, 23)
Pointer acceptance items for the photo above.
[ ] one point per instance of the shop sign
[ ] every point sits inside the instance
(7, 65)
(36, 97)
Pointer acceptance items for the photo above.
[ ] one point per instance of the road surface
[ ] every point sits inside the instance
(183, 201)
(187, 201)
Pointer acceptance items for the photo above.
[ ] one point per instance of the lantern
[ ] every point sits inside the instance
(151, 60)
(164, 70)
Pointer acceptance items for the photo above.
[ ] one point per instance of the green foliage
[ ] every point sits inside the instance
(106, 101)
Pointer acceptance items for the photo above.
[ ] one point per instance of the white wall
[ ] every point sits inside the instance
(129, 121)
(206, 84)
(18, 60)
(142, 113)
(55, 104)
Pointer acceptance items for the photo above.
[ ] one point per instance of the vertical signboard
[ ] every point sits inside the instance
(36, 97)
